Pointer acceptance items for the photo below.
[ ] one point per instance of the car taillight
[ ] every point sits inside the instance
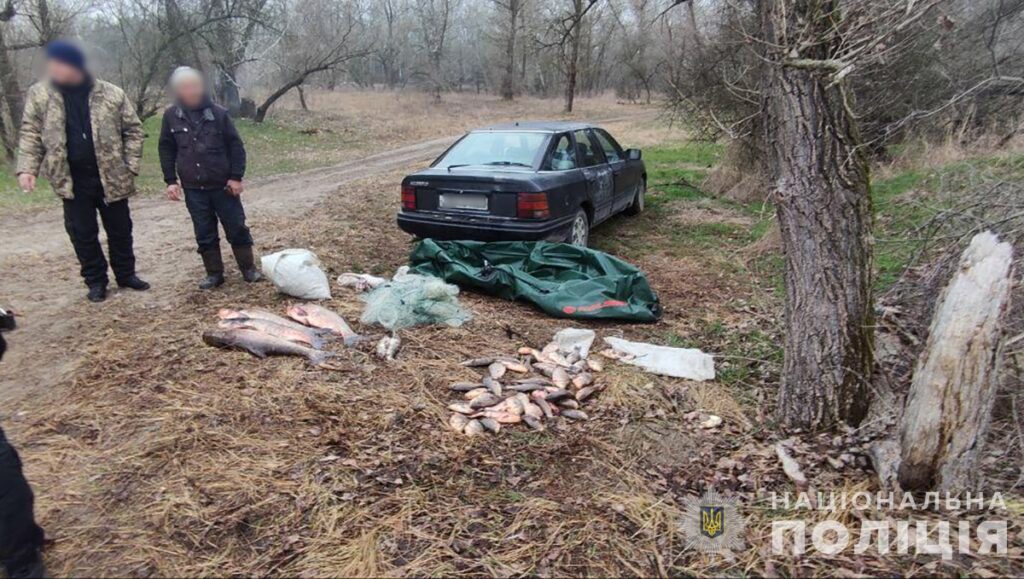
(408, 197)
(532, 206)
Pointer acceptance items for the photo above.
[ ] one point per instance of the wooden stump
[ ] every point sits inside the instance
(950, 402)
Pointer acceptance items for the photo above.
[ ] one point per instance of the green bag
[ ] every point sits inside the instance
(565, 281)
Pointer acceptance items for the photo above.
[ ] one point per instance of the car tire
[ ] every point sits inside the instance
(579, 231)
(637, 207)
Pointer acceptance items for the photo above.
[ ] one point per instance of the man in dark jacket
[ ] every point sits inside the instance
(202, 153)
(20, 536)
(82, 134)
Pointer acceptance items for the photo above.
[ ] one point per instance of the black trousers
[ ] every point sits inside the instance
(20, 536)
(207, 207)
(80, 222)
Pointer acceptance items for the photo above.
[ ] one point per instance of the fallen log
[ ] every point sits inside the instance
(954, 385)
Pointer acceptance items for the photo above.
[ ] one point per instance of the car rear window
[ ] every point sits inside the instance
(563, 156)
(501, 148)
(586, 155)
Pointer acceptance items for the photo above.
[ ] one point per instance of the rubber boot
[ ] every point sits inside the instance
(97, 293)
(214, 264)
(247, 263)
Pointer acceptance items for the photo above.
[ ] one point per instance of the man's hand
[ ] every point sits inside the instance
(27, 181)
(235, 187)
(174, 192)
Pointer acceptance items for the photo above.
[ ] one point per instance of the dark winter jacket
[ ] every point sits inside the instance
(201, 149)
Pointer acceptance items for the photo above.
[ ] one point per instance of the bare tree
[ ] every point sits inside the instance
(435, 20)
(235, 25)
(568, 31)
(322, 37)
(512, 10)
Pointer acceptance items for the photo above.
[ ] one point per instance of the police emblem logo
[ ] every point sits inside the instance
(712, 523)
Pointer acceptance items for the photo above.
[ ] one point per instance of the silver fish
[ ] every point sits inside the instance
(473, 428)
(458, 422)
(533, 422)
(321, 317)
(586, 392)
(262, 345)
(490, 424)
(464, 386)
(497, 370)
(484, 400)
(560, 377)
(299, 335)
(575, 415)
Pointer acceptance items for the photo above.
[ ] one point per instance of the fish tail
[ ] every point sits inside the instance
(318, 357)
(317, 342)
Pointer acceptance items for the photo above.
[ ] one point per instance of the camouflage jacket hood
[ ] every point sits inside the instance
(116, 131)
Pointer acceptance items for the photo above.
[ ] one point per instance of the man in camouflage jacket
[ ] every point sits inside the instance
(83, 136)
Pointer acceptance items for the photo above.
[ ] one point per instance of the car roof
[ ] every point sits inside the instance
(544, 126)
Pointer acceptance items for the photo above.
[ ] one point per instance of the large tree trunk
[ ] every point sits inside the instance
(820, 188)
(954, 387)
(12, 95)
(508, 85)
(572, 67)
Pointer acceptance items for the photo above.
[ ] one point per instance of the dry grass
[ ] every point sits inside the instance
(400, 118)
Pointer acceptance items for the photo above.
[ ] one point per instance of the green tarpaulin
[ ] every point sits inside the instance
(563, 280)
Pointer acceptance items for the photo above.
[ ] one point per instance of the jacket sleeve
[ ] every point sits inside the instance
(131, 134)
(30, 145)
(236, 150)
(168, 148)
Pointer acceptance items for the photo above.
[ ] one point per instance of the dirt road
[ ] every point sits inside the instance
(41, 281)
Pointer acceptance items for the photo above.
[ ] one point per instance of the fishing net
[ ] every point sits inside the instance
(412, 300)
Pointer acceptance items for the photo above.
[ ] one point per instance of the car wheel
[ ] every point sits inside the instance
(579, 233)
(638, 202)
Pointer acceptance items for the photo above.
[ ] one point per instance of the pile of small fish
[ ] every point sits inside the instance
(264, 333)
(531, 388)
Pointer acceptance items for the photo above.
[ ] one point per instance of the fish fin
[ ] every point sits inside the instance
(318, 357)
(317, 342)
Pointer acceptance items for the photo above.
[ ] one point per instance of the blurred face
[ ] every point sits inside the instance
(64, 74)
(189, 91)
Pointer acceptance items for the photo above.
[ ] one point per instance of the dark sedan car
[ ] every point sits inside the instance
(524, 181)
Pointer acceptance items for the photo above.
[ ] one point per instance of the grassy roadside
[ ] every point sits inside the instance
(272, 148)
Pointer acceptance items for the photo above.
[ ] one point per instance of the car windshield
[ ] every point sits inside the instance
(499, 149)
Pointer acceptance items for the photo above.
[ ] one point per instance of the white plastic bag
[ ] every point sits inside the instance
(297, 272)
(571, 339)
(689, 363)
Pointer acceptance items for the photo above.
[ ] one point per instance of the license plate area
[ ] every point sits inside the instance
(462, 201)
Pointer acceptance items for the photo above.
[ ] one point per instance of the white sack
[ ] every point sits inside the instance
(571, 339)
(689, 363)
(297, 272)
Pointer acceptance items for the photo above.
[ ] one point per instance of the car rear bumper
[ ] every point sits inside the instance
(452, 227)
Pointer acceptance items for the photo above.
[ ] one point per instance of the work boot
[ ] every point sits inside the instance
(97, 293)
(247, 263)
(135, 283)
(214, 265)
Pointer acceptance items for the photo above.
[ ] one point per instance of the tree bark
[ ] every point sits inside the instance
(820, 187)
(12, 95)
(508, 85)
(954, 386)
(572, 67)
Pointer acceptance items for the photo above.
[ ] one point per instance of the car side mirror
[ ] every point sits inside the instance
(633, 154)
